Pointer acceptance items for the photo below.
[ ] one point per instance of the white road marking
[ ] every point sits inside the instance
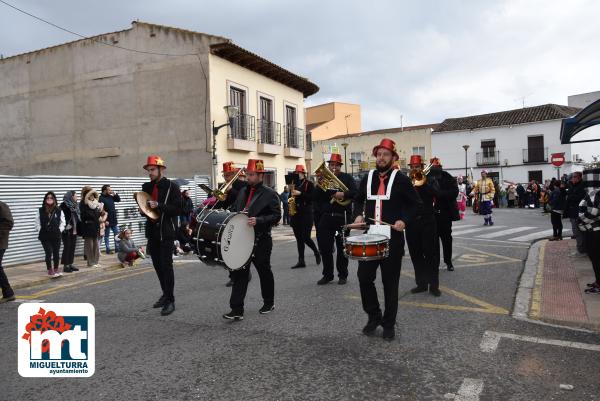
(478, 229)
(28, 301)
(461, 226)
(506, 232)
(539, 234)
(469, 390)
(491, 340)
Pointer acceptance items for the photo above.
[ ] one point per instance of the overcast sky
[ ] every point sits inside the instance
(425, 60)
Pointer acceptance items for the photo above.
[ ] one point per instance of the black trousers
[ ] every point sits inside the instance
(390, 277)
(262, 262)
(424, 250)
(328, 233)
(557, 225)
(444, 229)
(161, 253)
(592, 241)
(302, 224)
(7, 290)
(52, 250)
(68, 254)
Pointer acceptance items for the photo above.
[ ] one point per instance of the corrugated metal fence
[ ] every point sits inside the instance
(24, 196)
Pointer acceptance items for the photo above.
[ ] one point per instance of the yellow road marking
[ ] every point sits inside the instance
(492, 309)
(489, 253)
(536, 296)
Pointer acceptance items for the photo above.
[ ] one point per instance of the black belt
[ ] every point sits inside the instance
(343, 215)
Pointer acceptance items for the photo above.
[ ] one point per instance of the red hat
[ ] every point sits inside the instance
(229, 167)
(336, 158)
(156, 161)
(415, 159)
(386, 144)
(435, 162)
(255, 166)
(300, 169)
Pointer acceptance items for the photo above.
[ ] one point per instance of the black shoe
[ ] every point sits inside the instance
(450, 267)
(168, 308)
(371, 325)
(299, 265)
(389, 333)
(229, 283)
(418, 289)
(161, 302)
(324, 281)
(7, 299)
(73, 268)
(67, 269)
(318, 258)
(108, 252)
(266, 309)
(233, 316)
(435, 292)
(342, 281)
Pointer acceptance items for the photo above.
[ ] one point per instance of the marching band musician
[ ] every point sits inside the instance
(484, 189)
(387, 196)
(262, 205)
(333, 217)
(302, 220)
(166, 197)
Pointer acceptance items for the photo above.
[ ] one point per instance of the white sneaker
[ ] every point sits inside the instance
(97, 265)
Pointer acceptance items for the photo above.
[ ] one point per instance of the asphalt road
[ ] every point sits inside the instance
(311, 346)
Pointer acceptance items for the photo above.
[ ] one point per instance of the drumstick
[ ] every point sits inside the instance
(381, 222)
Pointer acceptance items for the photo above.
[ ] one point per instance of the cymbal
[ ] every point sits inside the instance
(142, 199)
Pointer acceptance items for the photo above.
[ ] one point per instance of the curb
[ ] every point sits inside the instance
(65, 276)
(527, 286)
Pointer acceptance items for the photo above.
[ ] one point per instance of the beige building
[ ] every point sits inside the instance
(357, 148)
(327, 120)
(99, 106)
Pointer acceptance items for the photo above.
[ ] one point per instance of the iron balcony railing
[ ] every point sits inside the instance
(488, 158)
(294, 137)
(309, 147)
(535, 155)
(242, 127)
(269, 132)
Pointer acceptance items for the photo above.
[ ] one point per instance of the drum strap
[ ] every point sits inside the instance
(379, 198)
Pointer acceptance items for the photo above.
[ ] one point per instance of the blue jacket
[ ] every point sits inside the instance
(109, 207)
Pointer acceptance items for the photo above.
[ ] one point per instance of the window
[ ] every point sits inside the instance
(419, 150)
(535, 175)
(265, 122)
(237, 97)
(242, 126)
(535, 149)
(488, 147)
(291, 135)
(356, 156)
(270, 179)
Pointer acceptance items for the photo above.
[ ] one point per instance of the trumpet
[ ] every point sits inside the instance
(221, 193)
(419, 177)
(327, 181)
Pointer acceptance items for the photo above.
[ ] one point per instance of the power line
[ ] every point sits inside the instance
(91, 38)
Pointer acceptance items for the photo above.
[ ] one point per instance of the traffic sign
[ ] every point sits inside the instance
(557, 159)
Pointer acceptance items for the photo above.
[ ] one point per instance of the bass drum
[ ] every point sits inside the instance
(224, 238)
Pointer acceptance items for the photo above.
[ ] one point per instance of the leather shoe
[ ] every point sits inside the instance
(389, 333)
(418, 289)
(324, 281)
(318, 258)
(161, 302)
(73, 268)
(67, 269)
(168, 308)
(435, 292)
(450, 267)
(371, 325)
(299, 265)
(342, 281)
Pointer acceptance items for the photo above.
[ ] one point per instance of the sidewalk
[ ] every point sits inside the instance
(29, 275)
(558, 292)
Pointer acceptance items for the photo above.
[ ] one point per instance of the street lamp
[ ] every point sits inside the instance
(232, 113)
(345, 145)
(466, 147)
(352, 161)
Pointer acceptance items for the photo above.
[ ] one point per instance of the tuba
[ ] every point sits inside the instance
(327, 181)
(419, 177)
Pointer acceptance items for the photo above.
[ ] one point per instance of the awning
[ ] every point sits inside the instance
(586, 118)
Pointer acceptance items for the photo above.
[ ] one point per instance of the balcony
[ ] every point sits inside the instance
(488, 158)
(308, 153)
(241, 135)
(269, 137)
(535, 155)
(294, 142)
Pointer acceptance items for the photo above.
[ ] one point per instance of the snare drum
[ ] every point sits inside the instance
(224, 238)
(367, 247)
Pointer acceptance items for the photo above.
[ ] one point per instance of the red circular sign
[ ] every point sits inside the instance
(557, 159)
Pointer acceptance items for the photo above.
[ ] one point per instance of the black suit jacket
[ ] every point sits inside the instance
(265, 206)
(170, 208)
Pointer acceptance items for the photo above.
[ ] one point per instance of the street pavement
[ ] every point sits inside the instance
(464, 345)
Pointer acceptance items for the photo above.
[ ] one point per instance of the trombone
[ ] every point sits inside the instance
(419, 177)
(221, 193)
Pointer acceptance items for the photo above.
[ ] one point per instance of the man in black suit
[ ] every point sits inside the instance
(161, 233)
(263, 207)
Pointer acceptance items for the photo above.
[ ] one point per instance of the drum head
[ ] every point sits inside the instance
(237, 242)
(366, 239)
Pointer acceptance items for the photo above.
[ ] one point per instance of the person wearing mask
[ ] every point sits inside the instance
(50, 223)
(6, 224)
(108, 198)
(70, 209)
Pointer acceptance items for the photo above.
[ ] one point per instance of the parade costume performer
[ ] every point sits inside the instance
(445, 208)
(264, 211)
(461, 199)
(484, 190)
(385, 195)
(333, 217)
(302, 220)
(161, 233)
(421, 233)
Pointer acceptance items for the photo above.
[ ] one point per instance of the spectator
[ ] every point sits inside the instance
(6, 224)
(103, 224)
(575, 194)
(589, 223)
(70, 209)
(511, 195)
(108, 198)
(284, 196)
(50, 223)
(187, 206)
(502, 197)
(558, 204)
(90, 225)
(521, 195)
(128, 251)
(461, 199)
